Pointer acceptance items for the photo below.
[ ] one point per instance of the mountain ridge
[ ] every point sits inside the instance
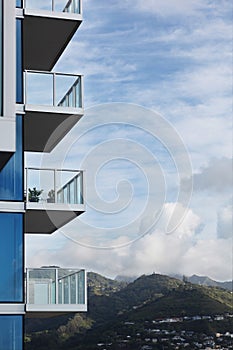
(147, 298)
(195, 279)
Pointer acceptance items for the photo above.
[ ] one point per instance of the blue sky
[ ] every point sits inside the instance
(168, 64)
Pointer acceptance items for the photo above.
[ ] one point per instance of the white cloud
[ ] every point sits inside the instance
(217, 176)
(181, 8)
(172, 56)
(176, 253)
(225, 223)
(211, 258)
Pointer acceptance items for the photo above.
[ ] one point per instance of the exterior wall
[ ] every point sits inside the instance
(11, 183)
(11, 332)
(7, 81)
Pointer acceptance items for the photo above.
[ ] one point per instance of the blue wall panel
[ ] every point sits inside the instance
(18, 3)
(11, 258)
(11, 176)
(11, 332)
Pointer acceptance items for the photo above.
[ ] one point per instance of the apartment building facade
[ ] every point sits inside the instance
(38, 107)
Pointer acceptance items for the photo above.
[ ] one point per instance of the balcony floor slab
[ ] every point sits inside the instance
(46, 36)
(43, 131)
(43, 220)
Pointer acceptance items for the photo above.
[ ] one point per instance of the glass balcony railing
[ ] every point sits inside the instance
(54, 186)
(50, 285)
(72, 6)
(53, 89)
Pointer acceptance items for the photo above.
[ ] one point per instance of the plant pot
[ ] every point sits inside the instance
(34, 199)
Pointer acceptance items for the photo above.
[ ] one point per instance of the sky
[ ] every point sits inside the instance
(155, 141)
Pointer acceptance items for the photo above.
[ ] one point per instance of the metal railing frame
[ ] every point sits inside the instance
(79, 80)
(57, 284)
(65, 9)
(55, 172)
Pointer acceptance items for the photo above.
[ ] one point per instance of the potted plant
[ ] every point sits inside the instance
(34, 194)
(51, 197)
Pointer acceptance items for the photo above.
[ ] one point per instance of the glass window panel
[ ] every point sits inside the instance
(11, 257)
(81, 287)
(66, 290)
(72, 6)
(18, 3)
(60, 292)
(65, 194)
(39, 4)
(63, 85)
(78, 92)
(19, 62)
(1, 61)
(41, 286)
(53, 293)
(11, 332)
(39, 89)
(11, 176)
(60, 197)
(73, 289)
(42, 180)
(72, 192)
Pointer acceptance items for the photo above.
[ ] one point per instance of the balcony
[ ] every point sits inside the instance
(48, 26)
(53, 197)
(53, 105)
(55, 290)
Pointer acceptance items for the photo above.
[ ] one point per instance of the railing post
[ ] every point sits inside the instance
(80, 7)
(27, 287)
(54, 89)
(26, 185)
(81, 188)
(25, 87)
(81, 92)
(55, 186)
(56, 286)
(53, 7)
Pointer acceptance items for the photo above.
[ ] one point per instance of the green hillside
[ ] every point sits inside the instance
(113, 303)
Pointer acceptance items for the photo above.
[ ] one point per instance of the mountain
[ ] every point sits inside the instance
(127, 279)
(206, 281)
(113, 304)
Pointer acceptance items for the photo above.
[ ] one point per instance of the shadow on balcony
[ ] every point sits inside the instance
(48, 26)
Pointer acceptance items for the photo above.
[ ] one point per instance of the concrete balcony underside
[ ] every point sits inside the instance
(47, 218)
(46, 36)
(34, 311)
(44, 130)
(7, 144)
(12, 309)
(4, 157)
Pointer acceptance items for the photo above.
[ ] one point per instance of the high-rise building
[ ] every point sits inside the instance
(37, 109)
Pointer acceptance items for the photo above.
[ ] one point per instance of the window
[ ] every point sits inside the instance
(11, 258)
(19, 62)
(11, 176)
(1, 60)
(11, 337)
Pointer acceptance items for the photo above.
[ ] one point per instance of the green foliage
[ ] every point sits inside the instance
(113, 303)
(34, 194)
